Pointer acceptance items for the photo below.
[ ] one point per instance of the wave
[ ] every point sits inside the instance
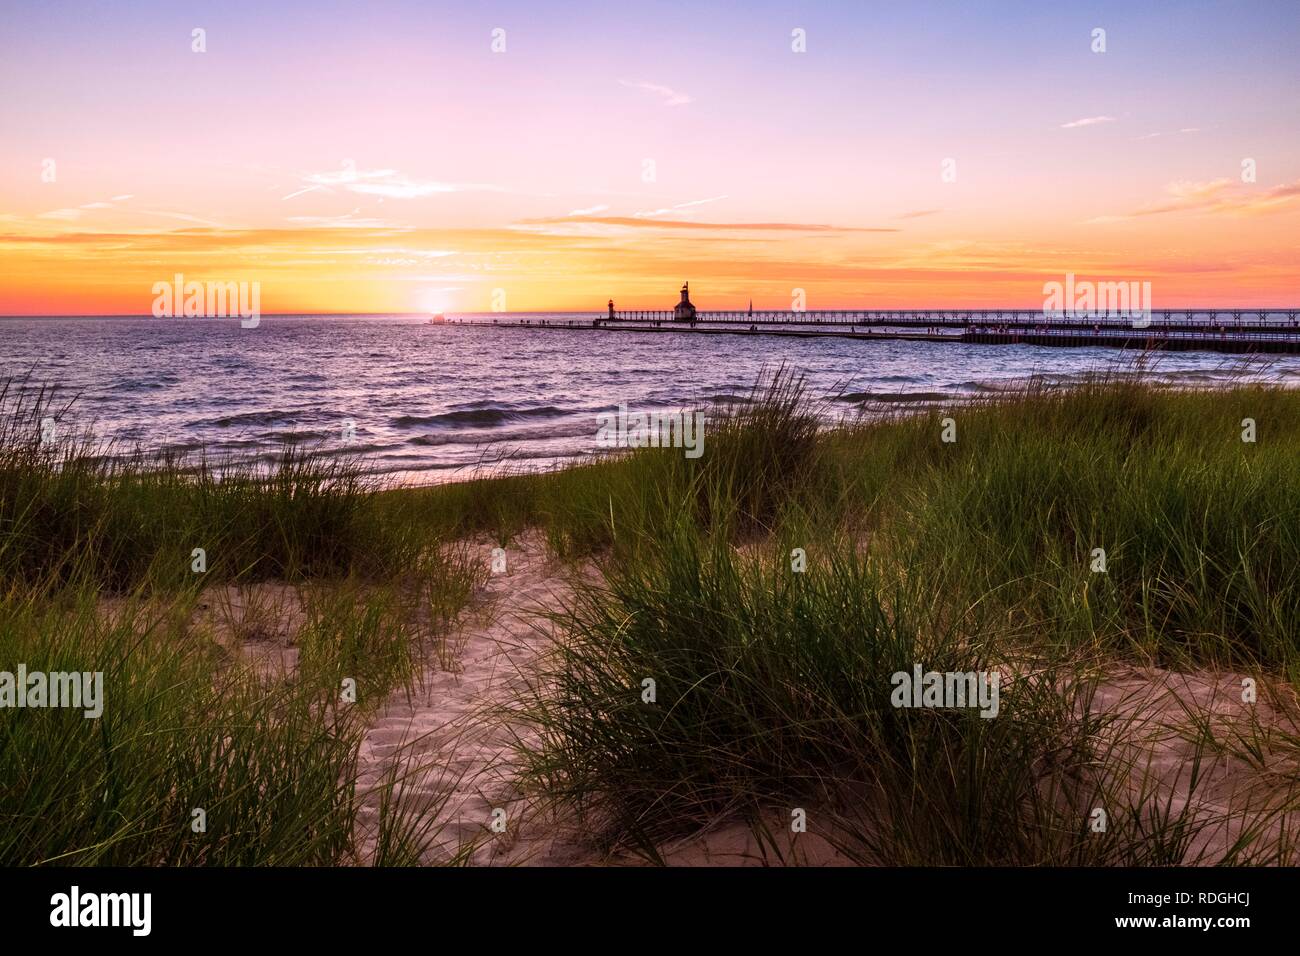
(138, 385)
(295, 437)
(989, 388)
(482, 417)
(893, 398)
(254, 418)
(576, 429)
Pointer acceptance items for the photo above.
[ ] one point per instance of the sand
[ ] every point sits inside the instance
(455, 733)
(453, 741)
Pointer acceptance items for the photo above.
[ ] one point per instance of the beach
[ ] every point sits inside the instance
(659, 658)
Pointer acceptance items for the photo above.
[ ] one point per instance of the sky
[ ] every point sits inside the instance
(534, 156)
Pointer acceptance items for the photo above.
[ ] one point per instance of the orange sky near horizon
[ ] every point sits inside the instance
(905, 159)
(579, 264)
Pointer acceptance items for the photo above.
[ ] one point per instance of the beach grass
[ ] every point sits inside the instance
(979, 554)
(201, 756)
(771, 682)
(1200, 529)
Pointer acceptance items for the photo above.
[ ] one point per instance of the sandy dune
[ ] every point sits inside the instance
(452, 740)
(453, 733)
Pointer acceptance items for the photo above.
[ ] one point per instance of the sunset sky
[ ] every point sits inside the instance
(376, 157)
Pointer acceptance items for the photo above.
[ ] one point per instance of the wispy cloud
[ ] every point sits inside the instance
(917, 214)
(67, 215)
(74, 213)
(306, 189)
(669, 96)
(645, 223)
(414, 253)
(351, 220)
(183, 217)
(1188, 129)
(1215, 196)
(589, 211)
(385, 183)
(651, 213)
(1087, 121)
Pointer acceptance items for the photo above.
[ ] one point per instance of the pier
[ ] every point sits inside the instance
(1189, 329)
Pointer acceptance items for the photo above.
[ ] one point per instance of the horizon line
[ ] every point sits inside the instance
(935, 308)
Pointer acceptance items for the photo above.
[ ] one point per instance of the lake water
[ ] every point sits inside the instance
(433, 402)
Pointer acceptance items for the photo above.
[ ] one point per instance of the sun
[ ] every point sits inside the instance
(433, 300)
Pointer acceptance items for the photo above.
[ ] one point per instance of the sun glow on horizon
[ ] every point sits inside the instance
(423, 172)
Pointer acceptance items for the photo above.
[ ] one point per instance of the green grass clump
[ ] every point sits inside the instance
(700, 682)
(96, 576)
(773, 686)
(1201, 531)
(180, 732)
(67, 503)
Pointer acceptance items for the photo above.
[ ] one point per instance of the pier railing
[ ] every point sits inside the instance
(1216, 329)
(1191, 320)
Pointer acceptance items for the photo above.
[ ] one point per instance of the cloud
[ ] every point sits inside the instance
(1213, 197)
(1185, 189)
(183, 217)
(918, 213)
(305, 189)
(1187, 129)
(417, 253)
(646, 223)
(1087, 121)
(650, 213)
(73, 214)
(590, 211)
(351, 220)
(402, 188)
(670, 96)
(385, 183)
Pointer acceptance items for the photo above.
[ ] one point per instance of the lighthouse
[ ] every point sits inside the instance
(684, 311)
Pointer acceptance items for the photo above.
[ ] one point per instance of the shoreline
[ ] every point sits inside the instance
(866, 409)
(480, 646)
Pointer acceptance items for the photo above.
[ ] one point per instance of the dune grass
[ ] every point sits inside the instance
(771, 689)
(1201, 530)
(771, 684)
(70, 504)
(200, 756)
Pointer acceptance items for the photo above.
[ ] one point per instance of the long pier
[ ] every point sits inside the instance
(1209, 329)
